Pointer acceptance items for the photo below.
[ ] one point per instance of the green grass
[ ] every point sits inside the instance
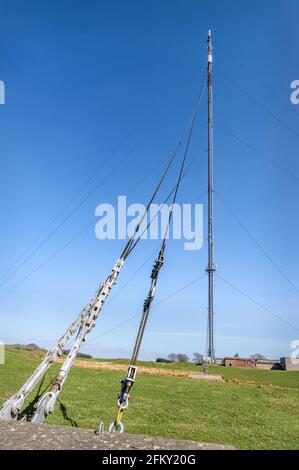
(251, 409)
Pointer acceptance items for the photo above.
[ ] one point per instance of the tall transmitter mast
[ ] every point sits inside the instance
(211, 266)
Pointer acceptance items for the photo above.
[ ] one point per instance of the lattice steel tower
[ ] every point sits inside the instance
(211, 266)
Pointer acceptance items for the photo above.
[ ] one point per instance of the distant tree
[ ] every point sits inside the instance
(236, 355)
(83, 355)
(197, 357)
(162, 359)
(172, 357)
(182, 357)
(257, 356)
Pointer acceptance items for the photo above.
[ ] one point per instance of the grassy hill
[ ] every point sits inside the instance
(250, 409)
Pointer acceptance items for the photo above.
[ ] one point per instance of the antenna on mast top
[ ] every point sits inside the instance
(210, 47)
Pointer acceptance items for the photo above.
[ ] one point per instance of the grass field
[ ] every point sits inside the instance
(250, 409)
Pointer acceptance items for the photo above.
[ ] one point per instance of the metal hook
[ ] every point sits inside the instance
(100, 429)
(116, 427)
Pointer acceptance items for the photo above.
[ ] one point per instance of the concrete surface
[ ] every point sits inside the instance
(22, 435)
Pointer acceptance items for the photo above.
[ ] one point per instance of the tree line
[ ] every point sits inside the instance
(198, 357)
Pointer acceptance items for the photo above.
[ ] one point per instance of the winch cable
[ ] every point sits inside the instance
(160, 208)
(130, 376)
(188, 132)
(43, 263)
(180, 177)
(82, 325)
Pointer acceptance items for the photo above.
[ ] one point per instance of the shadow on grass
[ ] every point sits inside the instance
(65, 415)
(29, 411)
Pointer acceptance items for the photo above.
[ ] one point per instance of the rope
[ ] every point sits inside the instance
(180, 177)
(90, 224)
(173, 294)
(129, 379)
(130, 245)
(160, 260)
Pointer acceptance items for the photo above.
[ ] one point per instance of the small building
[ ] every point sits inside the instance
(218, 361)
(267, 364)
(289, 363)
(238, 362)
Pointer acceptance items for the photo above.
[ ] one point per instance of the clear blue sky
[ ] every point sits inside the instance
(80, 78)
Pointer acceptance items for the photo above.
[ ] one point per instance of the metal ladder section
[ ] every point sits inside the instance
(82, 325)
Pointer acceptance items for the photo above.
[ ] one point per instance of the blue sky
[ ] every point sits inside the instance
(83, 78)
